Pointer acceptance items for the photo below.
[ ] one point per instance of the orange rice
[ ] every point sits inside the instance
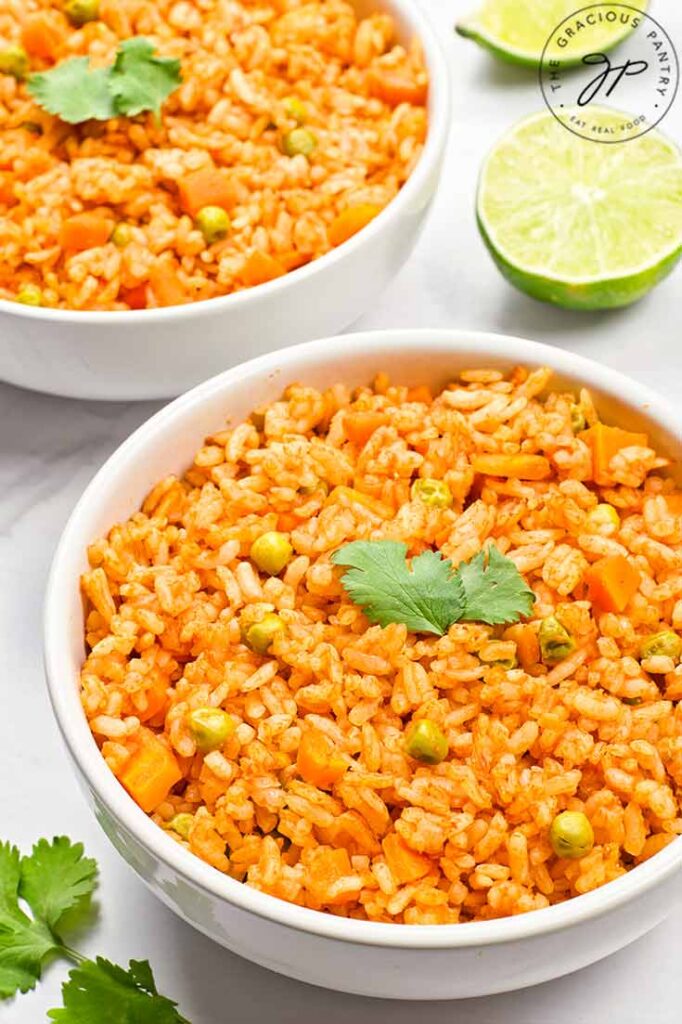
(360, 93)
(381, 836)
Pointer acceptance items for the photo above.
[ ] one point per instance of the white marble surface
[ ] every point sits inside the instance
(49, 448)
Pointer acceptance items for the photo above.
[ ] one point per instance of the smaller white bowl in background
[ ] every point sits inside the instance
(368, 958)
(159, 353)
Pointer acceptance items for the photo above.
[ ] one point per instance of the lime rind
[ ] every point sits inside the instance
(499, 27)
(611, 293)
(579, 224)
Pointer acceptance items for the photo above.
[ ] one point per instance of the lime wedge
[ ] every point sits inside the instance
(517, 30)
(578, 223)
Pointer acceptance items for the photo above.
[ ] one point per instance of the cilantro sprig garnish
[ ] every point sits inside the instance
(430, 594)
(55, 883)
(98, 990)
(137, 81)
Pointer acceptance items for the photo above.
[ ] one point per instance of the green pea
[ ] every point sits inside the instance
(30, 295)
(213, 223)
(122, 235)
(571, 835)
(260, 635)
(210, 727)
(665, 644)
(556, 643)
(271, 552)
(506, 663)
(434, 493)
(295, 109)
(426, 743)
(14, 61)
(182, 824)
(79, 12)
(298, 140)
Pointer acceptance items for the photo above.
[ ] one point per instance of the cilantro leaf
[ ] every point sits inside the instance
(427, 599)
(74, 92)
(431, 595)
(495, 591)
(24, 943)
(57, 878)
(100, 991)
(139, 80)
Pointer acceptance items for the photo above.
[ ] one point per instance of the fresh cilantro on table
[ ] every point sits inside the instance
(55, 882)
(430, 594)
(57, 879)
(24, 942)
(100, 991)
(137, 81)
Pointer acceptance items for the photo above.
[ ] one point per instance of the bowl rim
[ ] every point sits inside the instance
(414, 17)
(58, 653)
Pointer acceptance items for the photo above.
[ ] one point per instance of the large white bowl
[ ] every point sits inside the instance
(159, 353)
(398, 961)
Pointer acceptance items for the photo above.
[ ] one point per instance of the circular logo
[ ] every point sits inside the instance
(605, 93)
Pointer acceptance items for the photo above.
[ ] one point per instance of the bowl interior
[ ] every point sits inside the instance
(166, 445)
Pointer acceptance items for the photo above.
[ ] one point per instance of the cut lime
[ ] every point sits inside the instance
(578, 223)
(517, 30)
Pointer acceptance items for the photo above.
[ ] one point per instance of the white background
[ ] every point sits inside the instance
(49, 448)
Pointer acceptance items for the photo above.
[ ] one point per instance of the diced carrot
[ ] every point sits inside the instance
(394, 87)
(135, 297)
(421, 393)
(612, 582)
(157, 700)
(527, 645)
(326, 866)
(150, 772)
(260, 267)
(286, 522)
(36, 162)
(359, 426)
(42, 36)
(206, 187)
(293, 260)
(605, 442)
(519, 467)
(7, 197)
(317, 760)
(342, 495)
(166, 285)
(405, 864)
(350, 221)
(85, 231)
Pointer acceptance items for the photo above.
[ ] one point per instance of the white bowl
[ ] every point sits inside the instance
(159, 353)
(395, 961)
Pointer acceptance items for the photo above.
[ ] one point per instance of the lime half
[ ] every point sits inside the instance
(578, 223)
(517, 30)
